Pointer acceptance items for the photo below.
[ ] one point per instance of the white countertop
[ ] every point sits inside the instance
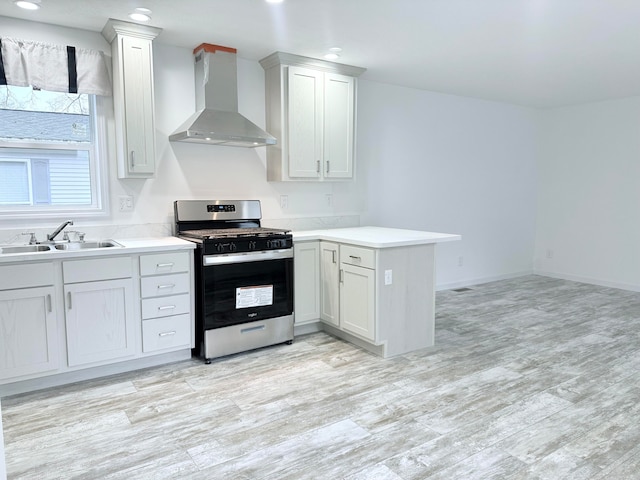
(375, 237)
(129, 246)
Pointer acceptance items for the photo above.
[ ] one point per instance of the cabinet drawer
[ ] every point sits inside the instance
(26, 275)
(106, 268)
(362, 257)
(164, 263)
(162, 285)
(166, 306)
(168, 332)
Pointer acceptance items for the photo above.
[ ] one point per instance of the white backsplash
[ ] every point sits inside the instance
(312, 223)
(103, 232)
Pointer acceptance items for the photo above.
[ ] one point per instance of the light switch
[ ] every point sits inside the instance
(388, 277)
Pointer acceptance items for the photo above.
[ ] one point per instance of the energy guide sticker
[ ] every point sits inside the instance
(247, 297)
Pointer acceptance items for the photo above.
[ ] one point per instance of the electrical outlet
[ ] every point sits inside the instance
(126, 203)
(284, 202)
(329, 199)
(388, 277)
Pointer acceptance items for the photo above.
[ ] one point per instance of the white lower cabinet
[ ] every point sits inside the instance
(75, 318)
(381, 299)
(306, 277)
(329, 283)
(166, 304)
(28, 332)
(99, 314)
(357, 300)
(28, 320)
(357, 291)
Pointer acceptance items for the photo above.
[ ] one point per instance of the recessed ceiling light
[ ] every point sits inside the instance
(331, 56)
(140, 15)
(335, 49)
(28, 5)
(275, 1)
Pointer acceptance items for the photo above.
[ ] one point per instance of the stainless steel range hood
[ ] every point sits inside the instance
(217, 120)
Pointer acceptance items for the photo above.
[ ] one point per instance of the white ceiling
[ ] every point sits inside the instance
(541, 53)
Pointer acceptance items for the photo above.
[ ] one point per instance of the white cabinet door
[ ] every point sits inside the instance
(132, 53)
(357, 301)
(305, 105)
(100, 321)
(28, 332)
(329, 280)
(306, 261)
(139, 129)
(338, 125)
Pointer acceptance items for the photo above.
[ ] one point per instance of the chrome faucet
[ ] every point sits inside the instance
(55, 233)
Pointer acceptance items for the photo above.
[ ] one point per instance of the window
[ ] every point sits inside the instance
(49, 145)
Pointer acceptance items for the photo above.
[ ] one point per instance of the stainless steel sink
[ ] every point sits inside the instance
(67, 246)
(85, 245)
(25, 248)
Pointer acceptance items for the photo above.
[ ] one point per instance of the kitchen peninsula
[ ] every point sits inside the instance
(371, 286)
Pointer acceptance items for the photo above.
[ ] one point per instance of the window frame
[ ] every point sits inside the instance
(98, 168)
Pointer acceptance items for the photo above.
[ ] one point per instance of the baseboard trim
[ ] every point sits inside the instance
(65, 378)
(481, 280)
(589, 280)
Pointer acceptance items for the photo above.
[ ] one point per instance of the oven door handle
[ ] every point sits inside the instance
(247, 257)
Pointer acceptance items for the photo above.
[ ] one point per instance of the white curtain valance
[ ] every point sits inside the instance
(55, 68)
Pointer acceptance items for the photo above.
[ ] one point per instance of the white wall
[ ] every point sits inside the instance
(588, 218)
(451, 164)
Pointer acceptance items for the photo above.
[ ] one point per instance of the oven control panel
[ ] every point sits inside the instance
(221, 208)
(256, 244)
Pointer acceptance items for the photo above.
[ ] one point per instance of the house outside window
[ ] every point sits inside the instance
(51, 144)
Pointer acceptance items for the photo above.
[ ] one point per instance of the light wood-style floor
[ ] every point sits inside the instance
(532, 378)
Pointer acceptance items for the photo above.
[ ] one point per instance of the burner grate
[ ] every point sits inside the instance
(233, 232)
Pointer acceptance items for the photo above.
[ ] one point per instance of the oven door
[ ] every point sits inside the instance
(245, 287)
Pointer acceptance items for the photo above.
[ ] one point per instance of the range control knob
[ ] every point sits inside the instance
(232, 247)
(252, 245)
(219, 247)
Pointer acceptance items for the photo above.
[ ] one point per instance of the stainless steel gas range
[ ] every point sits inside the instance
(244, 276)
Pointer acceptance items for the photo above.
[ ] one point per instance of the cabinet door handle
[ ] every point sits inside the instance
(169, 285)
(318, 166)
(166, 334)
(333, 254)
(167, 307)
(49, 308)
(164, 265)
(328, 161)
(69, 300)
(341, 276)
(133, 158)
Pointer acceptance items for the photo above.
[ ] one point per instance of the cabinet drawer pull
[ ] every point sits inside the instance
(166, 334)
(317, 166)
(49, 308)
(328, 161)
(133, 158)
(164, 265)
(167, 307)
(69, 300)
(169, 285)
(355, 258)
(252, 329)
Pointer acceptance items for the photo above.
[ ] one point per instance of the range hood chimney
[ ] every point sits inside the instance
(217, 120)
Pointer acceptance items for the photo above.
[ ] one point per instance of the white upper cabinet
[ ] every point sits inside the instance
(310, 107)
(132, 52)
